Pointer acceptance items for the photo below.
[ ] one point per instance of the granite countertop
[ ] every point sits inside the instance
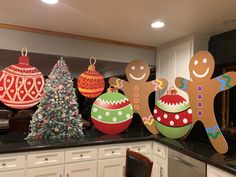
(201, 150)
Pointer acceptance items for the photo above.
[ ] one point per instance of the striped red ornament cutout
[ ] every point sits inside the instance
(21, 85)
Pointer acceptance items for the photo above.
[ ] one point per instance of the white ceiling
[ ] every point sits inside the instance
(123, 20)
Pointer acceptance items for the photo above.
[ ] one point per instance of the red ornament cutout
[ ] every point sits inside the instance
(91, 83)
(21, 85)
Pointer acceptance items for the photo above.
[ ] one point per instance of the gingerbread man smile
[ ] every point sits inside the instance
(201, 75)
(201, 67)
(137, 78)
(134, 75)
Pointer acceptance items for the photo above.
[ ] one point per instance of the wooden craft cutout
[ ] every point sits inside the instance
(137, 90)
(202, 91)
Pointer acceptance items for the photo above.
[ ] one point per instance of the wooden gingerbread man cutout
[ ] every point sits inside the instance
(137, 90)
(202, 91)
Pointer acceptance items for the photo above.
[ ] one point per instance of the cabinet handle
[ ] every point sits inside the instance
(161, 171)
(67, 175)
(81, 155)
(112, 152)
(124, 170)
(61, 175)
(4, 164)
(185, 163)
(46, 159)
(139, 149)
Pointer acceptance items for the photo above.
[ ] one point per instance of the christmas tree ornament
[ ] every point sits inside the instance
(173, 115)
(91, 83)
(112, 112)
(21, 85)
(53, 119)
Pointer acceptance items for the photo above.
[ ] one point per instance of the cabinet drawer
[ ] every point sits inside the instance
(45, 159)
(80, 155)
(12, 163)
(53, 171)
(14, 173)
(111, 151)
(143, 148)
(159, 150)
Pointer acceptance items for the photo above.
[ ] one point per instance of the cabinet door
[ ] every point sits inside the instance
(83, 169)
(13, 174)
(166, 66)
(53, 171)
(182, 54)
(216, 172)
(159, 167)
(111, 167)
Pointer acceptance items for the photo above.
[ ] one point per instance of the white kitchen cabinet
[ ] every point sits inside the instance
(216, 172)
(173, 59)
(53, 171)
(12, 165)
(160, 160)
(40, 159)
(111, 160)
(83, 169)
(81, 162)
(114, 167)
(20, 173)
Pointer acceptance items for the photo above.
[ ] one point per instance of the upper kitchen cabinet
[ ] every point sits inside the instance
(173, 58)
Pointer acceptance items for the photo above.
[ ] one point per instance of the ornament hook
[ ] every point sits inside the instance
(24, 51)
(90, 60)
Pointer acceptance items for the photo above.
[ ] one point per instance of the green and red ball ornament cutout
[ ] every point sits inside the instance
(173, 115)
(112, 112)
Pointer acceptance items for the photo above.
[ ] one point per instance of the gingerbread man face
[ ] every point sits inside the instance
(137, 70)
(201, 67)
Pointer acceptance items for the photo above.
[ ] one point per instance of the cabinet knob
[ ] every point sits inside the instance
(4, 164)
(81, 155)
(139, 149)
(112, 152)
(46, 159)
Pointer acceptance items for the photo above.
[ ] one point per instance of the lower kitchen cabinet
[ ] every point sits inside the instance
(216, 172)
(160, 158)
(53, 171)
(83, 169)
(159, 167)
(111, 167)
(13, 174)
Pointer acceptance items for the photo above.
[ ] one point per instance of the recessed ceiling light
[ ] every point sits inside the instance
(158, 24)
(50, 1)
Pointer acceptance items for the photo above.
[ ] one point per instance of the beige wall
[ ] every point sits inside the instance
(38, 43)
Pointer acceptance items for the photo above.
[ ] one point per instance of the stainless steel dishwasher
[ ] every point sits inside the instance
(180, 165)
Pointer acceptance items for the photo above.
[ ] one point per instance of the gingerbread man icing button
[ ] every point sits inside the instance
(202, 90)
(137, 89)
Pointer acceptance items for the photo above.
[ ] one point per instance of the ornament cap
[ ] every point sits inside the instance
(172, 91)
(24, 60)
(112, 89)
(91, 68)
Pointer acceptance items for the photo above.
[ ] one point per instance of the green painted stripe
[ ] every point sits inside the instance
(228, 80)
(214, 136)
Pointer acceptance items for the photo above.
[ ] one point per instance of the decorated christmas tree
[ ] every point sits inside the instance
(57, 114)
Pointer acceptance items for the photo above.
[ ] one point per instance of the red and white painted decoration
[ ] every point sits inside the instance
(21, 85)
